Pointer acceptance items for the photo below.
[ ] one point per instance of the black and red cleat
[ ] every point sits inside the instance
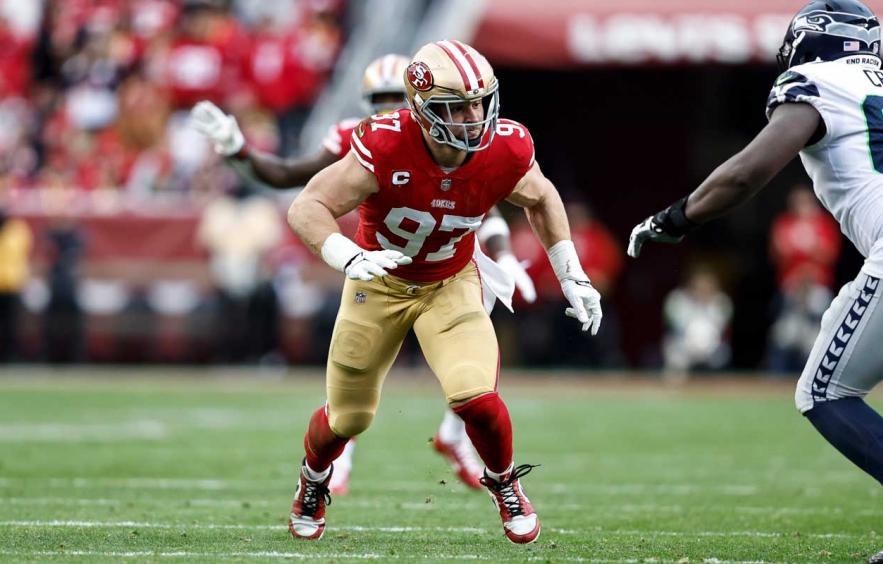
(520, 521)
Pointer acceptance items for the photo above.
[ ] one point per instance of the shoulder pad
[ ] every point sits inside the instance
(790, 77)
(517, 141)
(377, 135)
(792, 87)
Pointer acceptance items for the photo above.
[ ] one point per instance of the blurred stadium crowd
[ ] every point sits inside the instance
(94, 94)
(123, 238)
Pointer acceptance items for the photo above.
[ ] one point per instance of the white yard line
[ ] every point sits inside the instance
(221, 526)
(752, 534)
(188, 554)
(134, 483)
(150, 429)
(340, 556)
(226, 503)
(433, 505)
(357, 528)
(407, 486)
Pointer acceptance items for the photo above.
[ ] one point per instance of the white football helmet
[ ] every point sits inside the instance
(446, 73)
(383, 84)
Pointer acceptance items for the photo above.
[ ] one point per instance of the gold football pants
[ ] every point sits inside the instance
(448, 317)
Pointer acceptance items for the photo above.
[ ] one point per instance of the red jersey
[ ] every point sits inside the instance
(805, 247)
(421, 210)
(269, 70)
(337, 140)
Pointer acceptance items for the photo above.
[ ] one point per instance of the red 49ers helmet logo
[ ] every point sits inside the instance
(420, 76)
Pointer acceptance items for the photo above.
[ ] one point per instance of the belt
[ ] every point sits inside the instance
(412, 288)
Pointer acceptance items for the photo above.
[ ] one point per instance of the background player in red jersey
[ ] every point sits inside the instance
(423, 180)
(383, 90)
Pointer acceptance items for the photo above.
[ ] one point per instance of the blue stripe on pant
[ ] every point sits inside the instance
(837, 346)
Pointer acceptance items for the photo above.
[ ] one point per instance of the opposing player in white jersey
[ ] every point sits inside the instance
(827, 106)
(383, 90)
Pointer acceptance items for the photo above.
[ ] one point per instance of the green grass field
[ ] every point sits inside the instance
(168, 466)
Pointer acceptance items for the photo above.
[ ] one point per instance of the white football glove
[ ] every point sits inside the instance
(585, 303)
(516, 270)
(220, 128)
(368, 264)
(344, 255)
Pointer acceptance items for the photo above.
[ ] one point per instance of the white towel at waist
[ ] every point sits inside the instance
(496, 283)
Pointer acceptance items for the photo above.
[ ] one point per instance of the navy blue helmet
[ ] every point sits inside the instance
(830, 30)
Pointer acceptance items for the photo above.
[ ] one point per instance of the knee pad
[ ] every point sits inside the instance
(350, 423)
(462, 382)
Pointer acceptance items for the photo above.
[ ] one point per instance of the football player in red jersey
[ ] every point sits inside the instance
(383, 90)
(422, 180)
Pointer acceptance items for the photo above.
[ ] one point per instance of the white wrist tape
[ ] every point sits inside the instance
(565, 261)
(492, 227)
(338, 251)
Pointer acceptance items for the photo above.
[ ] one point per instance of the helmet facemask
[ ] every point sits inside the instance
(437, 109)
(783, 57)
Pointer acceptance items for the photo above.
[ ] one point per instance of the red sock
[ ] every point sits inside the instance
(320, 442)
(490, 429)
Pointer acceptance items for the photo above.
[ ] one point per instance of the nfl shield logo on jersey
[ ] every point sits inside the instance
(445, 184)
(361, 297)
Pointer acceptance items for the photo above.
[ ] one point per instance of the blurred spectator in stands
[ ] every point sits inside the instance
(18, 158)
(92, 74)
(797, 324)
(79, 140)
(239, 230)
(15, 249)
(804, 248)
(600, 254)
(15, 73)
(23, 18)
(277, 79)
(18, 120)
(150, 19)
(287, 65)
(63, 318)
(550, 339)
(202, 61)
(89, 88)
(805, 241)
(317, 42)
(144, 111)
(697, 317)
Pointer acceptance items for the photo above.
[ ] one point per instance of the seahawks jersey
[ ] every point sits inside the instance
(846, 165)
